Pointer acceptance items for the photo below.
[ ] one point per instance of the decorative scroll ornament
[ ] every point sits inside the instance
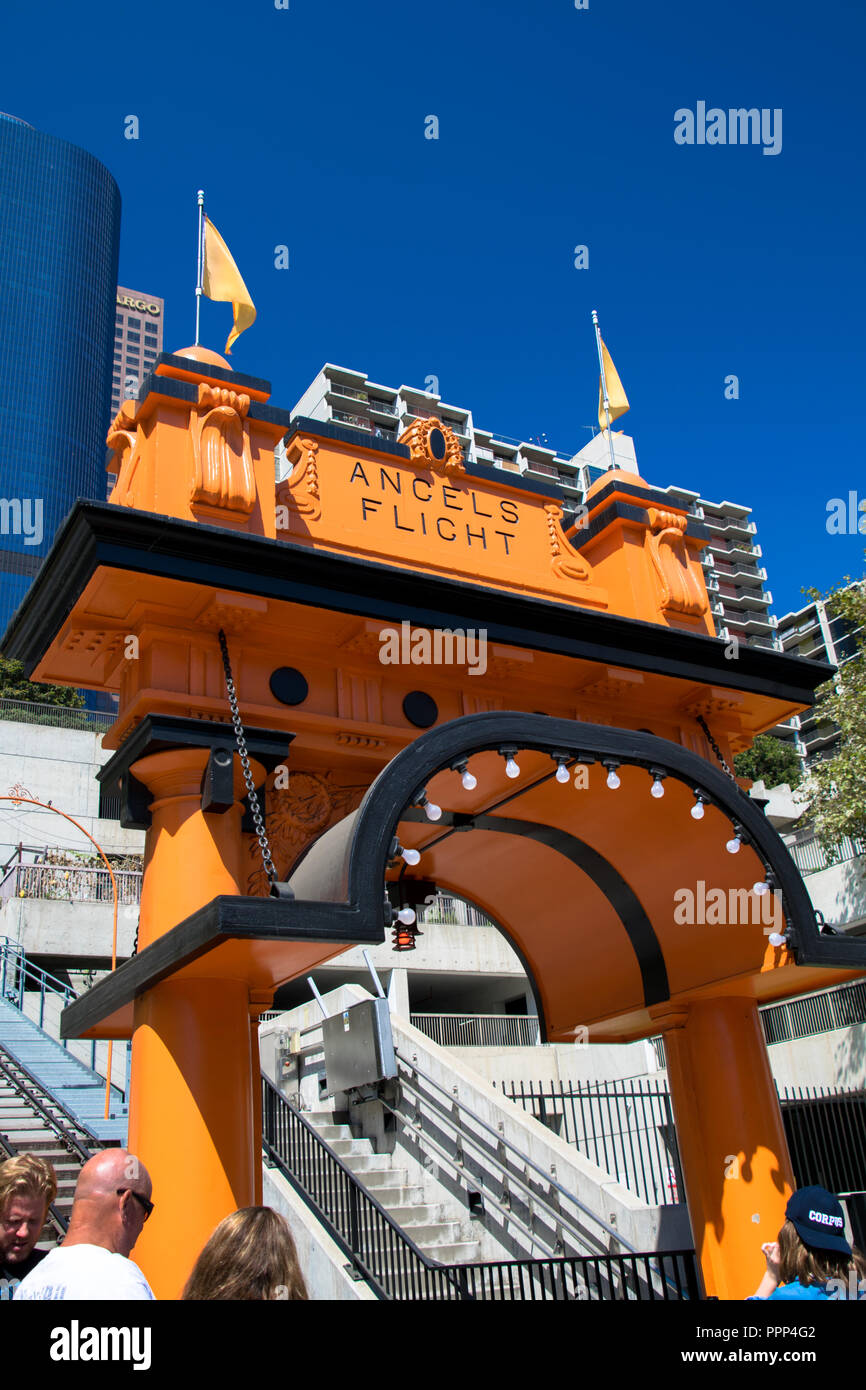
(433, 445)
(301, 488)
(296, 815)
(222, 462)
(565, 561)
(681, 590)
(124, 444)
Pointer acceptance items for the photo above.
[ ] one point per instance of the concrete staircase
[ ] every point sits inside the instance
(443, 1232)
(24, 1130)
(79, 1089)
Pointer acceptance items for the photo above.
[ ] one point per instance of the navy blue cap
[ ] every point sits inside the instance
(818, 1219)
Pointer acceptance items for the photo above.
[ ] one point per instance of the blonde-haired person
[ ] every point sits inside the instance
(251, 1255)
(28, 1186)
(811, 1258)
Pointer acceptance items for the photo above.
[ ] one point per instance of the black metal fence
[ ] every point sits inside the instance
(397, 1269)
(826, 1132)
(814, 1014)
(627, 1128)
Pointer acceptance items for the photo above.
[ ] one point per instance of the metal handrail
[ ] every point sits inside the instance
(28, 971)
(11, 952)
(75, 883)
(29, 1088)
(428, 1278)
(272, 1096)
(523, 1158)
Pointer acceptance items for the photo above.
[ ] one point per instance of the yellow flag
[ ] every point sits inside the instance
(616, 398)
(222, 280)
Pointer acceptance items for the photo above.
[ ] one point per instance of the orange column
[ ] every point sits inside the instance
(735, 1159)
(192, 1112)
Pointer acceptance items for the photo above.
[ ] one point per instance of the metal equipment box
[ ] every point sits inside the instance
(359, 1047)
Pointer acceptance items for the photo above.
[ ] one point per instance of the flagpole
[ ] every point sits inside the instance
(199, 265)
(603, 386)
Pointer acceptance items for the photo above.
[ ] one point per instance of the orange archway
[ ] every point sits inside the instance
(337, 587)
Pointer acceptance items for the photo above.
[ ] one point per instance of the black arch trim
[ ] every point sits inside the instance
(620, 895)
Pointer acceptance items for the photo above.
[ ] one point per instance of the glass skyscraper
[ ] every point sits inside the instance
(59, 242)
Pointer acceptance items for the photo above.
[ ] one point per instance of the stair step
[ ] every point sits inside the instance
(418, 1212)
(368, 1163)
(355, 1147)
(332, 1132)
(395, 1198)
(433, 1236)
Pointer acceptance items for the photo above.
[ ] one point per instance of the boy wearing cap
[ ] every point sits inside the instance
(811, 1249)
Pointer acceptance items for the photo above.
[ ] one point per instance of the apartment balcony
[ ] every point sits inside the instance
(355, 422)
(730, 526)
(381, 407)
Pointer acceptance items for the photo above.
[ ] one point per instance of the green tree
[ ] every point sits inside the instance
(837, 786)
(15, 686)
(771, 761)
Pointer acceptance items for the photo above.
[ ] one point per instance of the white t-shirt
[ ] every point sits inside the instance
(84, 1271)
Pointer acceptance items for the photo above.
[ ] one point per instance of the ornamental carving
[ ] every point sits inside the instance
(297, 815)
(433, 445)
(222, 474)
(681, 589)
(124, 444)
(300, 490)
(565, 562)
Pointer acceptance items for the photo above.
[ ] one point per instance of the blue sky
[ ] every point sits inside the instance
(455, 257)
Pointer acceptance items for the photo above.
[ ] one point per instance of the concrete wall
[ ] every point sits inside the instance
(79, 930)
(840, 892)
(829, 1059)
(57, 765)
(323, 1263)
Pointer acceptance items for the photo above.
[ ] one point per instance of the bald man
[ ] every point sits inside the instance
(112, 1203)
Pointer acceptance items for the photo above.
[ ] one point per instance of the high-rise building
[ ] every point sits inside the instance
(59, 235)
(819, 634)
(137, 342)
(735, 578)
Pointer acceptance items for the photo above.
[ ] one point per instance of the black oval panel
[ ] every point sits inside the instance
(437, 445)
(289, 686)
(420, 709)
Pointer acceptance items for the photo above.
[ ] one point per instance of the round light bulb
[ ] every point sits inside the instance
(760, 888)
(433, 811)
(612, 780)
(733, 846)
(562, 773)
(406, 916)
(411, 856)
(511, 768)
(469, 782)
(698, 810)
(776, 939)
(657, 789)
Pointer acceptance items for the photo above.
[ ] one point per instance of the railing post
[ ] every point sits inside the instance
(354, 1234)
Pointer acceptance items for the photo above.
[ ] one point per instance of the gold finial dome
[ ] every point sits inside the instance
(206, 355)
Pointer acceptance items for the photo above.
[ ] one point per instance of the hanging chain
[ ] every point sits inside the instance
(258, 821)
(715, 747)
